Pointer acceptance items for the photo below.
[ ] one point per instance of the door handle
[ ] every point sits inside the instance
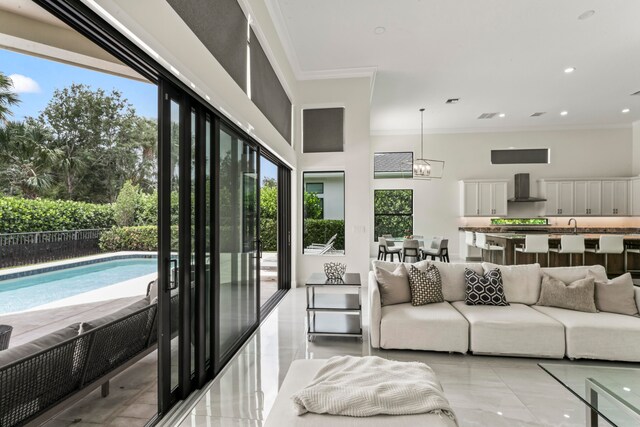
(172, 274)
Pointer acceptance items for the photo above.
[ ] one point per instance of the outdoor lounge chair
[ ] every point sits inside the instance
(321, 248)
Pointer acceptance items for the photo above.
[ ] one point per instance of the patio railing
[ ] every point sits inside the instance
(18, 249)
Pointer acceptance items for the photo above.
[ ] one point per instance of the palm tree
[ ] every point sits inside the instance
(7, 97)
(26, 160)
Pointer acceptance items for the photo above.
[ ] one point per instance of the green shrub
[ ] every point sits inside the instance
(138, 238)
(18, 215)
(321, 230)
(269, 234)
(127, 205)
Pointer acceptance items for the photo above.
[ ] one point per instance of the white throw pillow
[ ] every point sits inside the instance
(452, 274)
(393, 285)
(521, 282)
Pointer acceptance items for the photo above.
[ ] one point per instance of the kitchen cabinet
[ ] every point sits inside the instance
(588, 198)
(560, 198)
(634, 204)
(484, 198)
(615, 197)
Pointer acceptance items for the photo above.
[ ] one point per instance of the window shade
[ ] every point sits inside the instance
(323, 130)
(521, 156)
(222, 27)
(267, 91)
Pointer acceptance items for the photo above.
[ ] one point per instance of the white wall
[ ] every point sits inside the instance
(354, 95)
(636, 148)
(574, 153)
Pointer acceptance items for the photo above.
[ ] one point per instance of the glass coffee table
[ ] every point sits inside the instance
(612, 393)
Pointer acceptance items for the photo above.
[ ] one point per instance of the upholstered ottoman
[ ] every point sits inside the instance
(301, 372)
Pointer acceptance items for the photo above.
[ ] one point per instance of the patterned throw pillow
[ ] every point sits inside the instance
(426, 286)
(484, 290)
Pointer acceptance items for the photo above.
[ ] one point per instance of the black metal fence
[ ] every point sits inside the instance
(18, 249)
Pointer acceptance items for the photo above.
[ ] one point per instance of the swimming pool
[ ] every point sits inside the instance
(23, 293)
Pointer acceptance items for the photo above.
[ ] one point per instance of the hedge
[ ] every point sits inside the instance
(321, 230)
(269, 234)
(137, 238)
(18, 215)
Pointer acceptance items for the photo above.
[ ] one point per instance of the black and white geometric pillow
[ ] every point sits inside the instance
(425, 286)
(484, 290)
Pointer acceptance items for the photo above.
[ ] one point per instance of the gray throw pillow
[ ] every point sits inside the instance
(426, 286)
(578, 295)
(615, 295)
(393, 285)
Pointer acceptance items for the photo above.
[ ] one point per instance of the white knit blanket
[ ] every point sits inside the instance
(367, 386)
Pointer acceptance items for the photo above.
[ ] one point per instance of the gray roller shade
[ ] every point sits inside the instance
(323, 130)
(519, 156)
(222, 27)
(267, 91)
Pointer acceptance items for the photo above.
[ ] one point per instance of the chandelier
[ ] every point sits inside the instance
(425, 168)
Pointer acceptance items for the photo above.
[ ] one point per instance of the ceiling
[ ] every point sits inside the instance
(497, 56)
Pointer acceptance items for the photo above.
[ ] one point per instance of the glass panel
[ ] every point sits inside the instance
(393, 213)
(268, 229)
(175, 225)
(323, 213)
(238, 190)
(207, 239)
(192, 222)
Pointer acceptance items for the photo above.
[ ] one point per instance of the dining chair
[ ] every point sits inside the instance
(411, 249)
(384, 250)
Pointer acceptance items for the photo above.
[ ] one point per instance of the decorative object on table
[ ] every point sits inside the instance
(5, 336)
(334, 270)
(425, 168)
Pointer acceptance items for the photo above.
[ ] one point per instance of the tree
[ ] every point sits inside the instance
(95, 132)
(127, 204)
(269, 202)
(312, 206)
(26, 159)
(8, 97)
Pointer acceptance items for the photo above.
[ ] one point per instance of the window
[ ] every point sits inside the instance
(393, 212)
(323, 213)
(392, 165)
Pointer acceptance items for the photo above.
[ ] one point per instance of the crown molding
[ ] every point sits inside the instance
(432, 131)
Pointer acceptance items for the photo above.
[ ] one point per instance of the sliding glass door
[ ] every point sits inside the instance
(239, 255)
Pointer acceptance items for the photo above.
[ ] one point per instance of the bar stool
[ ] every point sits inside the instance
(481, 242)
(533, 244)
(384, 249)
(633, 250)
(570, 244)
(608, 244)
(470, 238)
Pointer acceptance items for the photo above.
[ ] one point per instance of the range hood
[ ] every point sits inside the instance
(522, 189)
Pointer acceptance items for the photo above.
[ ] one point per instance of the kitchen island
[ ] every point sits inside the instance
(510, 241)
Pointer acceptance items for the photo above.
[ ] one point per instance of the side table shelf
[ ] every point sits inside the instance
(334, 314)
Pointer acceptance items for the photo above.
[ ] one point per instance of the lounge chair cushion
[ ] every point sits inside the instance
(123, 312)
(32, 347)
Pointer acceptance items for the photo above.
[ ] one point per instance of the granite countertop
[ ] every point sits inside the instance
(587, 236)
(524, 229)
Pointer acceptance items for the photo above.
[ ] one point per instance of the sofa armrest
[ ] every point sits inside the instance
(375, 311)
(637, 290)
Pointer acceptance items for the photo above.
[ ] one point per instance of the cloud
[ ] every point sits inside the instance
(24, 84)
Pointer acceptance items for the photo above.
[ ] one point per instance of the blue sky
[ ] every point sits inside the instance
(44, 76)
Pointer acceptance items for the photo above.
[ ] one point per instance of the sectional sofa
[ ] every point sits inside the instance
(520, 329)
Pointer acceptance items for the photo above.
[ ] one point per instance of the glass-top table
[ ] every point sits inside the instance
(612, 393)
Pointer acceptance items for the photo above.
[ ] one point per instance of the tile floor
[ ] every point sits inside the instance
(484, 391)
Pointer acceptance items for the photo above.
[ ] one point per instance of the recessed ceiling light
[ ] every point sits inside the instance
(586, 15)
(208, 97)
(193, 85)
(625, 111)
(379, 30)
(569, 70)
(567, 416)
(626, 388)
(564, 113)
(499, 413)
(501, 115)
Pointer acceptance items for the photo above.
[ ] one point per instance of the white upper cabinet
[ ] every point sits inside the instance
(615, 198)
(588, 198)
(484, 198)
(634, 204)
(559, 196)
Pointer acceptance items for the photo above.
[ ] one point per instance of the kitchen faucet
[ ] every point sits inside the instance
(575, 225)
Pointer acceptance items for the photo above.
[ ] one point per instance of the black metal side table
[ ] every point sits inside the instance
(5, 336)
(345, 302)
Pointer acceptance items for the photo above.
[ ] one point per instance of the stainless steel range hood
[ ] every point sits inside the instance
(522, 189)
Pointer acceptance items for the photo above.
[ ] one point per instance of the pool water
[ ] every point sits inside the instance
(31, 291)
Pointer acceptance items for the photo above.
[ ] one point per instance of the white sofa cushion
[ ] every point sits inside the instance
(452, 274)
(434, 327)
(515, 330)
(571, 274)
(602, 335)
(301, 373)
(391, 266)
(521, 282)
(375, 311)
